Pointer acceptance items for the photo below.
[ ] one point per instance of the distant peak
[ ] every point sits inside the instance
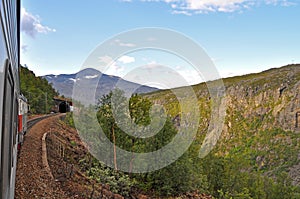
(89, 72)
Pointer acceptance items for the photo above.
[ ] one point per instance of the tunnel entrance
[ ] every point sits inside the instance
(64, 107)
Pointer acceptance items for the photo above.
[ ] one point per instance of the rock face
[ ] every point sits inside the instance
(273, 96)
(270, 99)
(262, 119)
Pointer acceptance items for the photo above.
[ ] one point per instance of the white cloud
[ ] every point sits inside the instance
(31, 24)
(191, 77)
(151, 66)
(120, 43)
(106, 60)
(214, 5)
(112, 67)
(189, 7)
(115, 70)
(184, 12)
(126, 59)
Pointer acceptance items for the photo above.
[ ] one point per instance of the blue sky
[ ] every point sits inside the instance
(240, 36)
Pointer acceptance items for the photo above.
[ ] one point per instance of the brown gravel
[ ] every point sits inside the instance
(32, 179)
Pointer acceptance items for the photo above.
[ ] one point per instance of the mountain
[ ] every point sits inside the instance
(258, 152)
(89, 78)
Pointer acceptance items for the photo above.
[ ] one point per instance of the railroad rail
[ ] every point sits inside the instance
(32, 122)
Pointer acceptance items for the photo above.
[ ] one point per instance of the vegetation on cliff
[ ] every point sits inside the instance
(37, 90)
(254, 156)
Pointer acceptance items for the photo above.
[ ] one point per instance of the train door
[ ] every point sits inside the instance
(7, 146)
(14, 145)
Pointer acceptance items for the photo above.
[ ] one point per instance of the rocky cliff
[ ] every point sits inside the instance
(261, 129)
(273, 96)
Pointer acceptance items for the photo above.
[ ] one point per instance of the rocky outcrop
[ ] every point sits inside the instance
(262, 119)
(273, 96)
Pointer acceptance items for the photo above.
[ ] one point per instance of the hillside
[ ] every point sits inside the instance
(272, 95)
(37, 90)
(260, 137)
(256, 156)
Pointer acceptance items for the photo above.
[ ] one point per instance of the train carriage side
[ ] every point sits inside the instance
(22, 115)
(9, 93)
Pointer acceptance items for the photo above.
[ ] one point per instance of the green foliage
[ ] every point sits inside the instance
(238, 173)
(252, 158)
(73, 143)
(37, 90)
(228, 179)
(179, 177)
(140, 110)
(118, 182)
(69, 120)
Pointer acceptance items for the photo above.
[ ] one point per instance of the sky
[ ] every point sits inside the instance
(239, 36)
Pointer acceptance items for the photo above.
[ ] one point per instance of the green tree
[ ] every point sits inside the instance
(179, 177)
(37, 90)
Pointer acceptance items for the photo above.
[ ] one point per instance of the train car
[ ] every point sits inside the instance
(9, 94)
(22, 119)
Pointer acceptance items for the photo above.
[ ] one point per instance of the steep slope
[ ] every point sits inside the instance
(261, 133)
(270, 95)
(37, 90)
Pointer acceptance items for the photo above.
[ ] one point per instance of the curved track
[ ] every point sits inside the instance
(32, 178)
(32, 122)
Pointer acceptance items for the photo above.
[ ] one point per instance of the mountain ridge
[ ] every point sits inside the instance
(64, 83)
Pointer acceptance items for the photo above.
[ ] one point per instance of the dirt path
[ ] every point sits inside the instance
(32, 179)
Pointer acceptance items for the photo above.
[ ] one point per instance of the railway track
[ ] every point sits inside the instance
(32, 178)
(32, 122)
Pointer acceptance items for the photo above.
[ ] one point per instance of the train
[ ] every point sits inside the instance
(22, 119)
(9, 94)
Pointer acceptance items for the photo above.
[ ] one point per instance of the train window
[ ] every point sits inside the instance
(7, 128)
